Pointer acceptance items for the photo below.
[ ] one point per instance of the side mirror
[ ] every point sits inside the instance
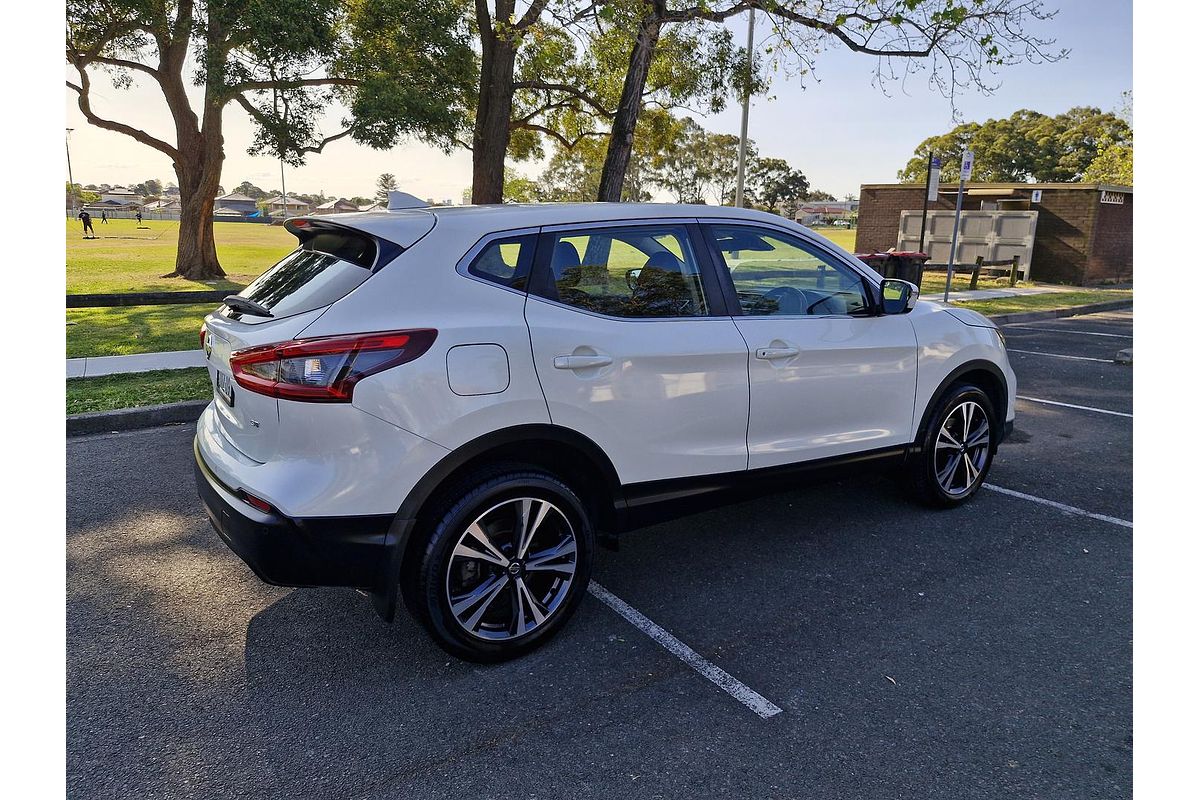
(899, 297)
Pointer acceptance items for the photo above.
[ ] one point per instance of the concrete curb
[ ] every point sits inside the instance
(128, 419)
(1058, 313)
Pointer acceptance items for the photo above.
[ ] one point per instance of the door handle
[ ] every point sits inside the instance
(581, 362)
(772, 353)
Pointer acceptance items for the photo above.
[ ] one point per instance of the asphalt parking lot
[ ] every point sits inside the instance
(981, 652)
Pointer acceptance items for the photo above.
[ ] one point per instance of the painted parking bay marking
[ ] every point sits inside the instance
(1060, 355)
(1079, 512)
(1072, 405)
(1067, 330)
(731, 685)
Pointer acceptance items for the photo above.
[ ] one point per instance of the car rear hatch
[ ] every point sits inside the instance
(331, 261)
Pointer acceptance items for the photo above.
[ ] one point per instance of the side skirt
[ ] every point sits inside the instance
(658, 501)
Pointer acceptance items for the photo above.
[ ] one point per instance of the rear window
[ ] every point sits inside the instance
(505, 261)
(328, 265)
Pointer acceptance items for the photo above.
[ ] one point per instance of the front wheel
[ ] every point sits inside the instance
(505, 565)
(957, 448)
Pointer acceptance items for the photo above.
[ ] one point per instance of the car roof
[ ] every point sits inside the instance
(482, 219)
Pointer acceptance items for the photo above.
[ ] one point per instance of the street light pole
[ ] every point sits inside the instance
(70, 176)
(741, 170)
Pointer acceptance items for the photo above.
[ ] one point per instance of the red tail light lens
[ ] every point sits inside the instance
(325, 370)
(203, 333)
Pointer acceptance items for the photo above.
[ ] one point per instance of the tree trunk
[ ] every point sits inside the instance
(199, 174)
(489, 143)
(620, 142)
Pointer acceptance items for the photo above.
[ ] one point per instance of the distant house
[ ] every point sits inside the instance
(95, 209)
(120, 194)
(165, 204)
(376, 206)
(275, 206)
(236, 203)
(339, 206)
(813, 213)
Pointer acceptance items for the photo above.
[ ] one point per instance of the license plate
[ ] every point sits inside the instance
(225, 388)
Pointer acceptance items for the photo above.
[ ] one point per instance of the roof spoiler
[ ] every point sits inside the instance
(398, 201)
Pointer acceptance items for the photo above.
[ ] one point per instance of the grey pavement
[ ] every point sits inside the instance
(140, 362)
(982, 652)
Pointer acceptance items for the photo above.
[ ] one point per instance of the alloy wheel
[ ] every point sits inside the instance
(511, 569)
(962, 449)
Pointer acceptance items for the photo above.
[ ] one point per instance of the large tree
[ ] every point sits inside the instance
(1027, 146)
(959, 42)
(397, 67)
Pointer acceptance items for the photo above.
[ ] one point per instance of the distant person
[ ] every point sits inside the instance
(87, 224)
(139, 218)
(103, 217)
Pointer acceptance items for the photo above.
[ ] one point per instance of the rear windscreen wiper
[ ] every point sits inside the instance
(247, 306)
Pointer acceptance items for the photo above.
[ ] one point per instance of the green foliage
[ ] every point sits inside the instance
(385, 184)
(400, 67)
(1028, 146)
(1113, 164)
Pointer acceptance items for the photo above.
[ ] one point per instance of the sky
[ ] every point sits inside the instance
(837, 128)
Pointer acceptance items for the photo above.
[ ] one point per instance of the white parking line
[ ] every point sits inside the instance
(1064, 330)
(1059, 355)
(735, 688)
(1072, 405)
(1060, 506)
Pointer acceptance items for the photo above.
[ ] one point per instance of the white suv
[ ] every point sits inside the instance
(452, 405)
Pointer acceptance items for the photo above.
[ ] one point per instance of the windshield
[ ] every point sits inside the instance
(324, 269)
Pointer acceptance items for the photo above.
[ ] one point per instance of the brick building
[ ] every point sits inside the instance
(1084, 230)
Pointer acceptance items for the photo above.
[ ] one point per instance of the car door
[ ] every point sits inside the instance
(829, 376)
(634, 349)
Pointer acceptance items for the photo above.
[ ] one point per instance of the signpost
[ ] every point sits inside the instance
(964, 175)
(933, 173)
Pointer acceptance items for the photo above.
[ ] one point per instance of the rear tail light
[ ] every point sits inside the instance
(325, 370)
(203, 333)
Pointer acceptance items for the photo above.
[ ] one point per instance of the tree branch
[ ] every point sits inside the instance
(565, 88)
(85, 105)
(292, 83)
(563, 140)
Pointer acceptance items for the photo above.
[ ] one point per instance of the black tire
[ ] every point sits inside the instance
(485, 497)
(923, 471)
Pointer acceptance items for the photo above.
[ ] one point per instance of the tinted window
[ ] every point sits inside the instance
(312, 277)
(776, 274)
(505, 261)
(646, 271)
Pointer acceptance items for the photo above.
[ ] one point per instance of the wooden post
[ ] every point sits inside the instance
(975, 273)
(1012, 277)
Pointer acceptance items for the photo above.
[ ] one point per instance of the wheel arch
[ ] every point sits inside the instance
(987, 375)
(567, 453)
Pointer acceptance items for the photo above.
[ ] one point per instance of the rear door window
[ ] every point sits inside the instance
(640, 272)
(326, 267)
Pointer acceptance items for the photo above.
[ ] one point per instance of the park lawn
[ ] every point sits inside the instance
(128, 259)
(124, 330)
(1045, 302)
(842, 237)
(110, 392)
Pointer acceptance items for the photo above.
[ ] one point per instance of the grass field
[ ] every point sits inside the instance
(128, 259)
(111, 392)
(133, 329)
(1045, 302)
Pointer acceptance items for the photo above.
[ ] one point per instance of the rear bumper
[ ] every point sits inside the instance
(287, 551)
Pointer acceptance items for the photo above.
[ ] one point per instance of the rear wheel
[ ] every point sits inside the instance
(505, 565)
(957, 448)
